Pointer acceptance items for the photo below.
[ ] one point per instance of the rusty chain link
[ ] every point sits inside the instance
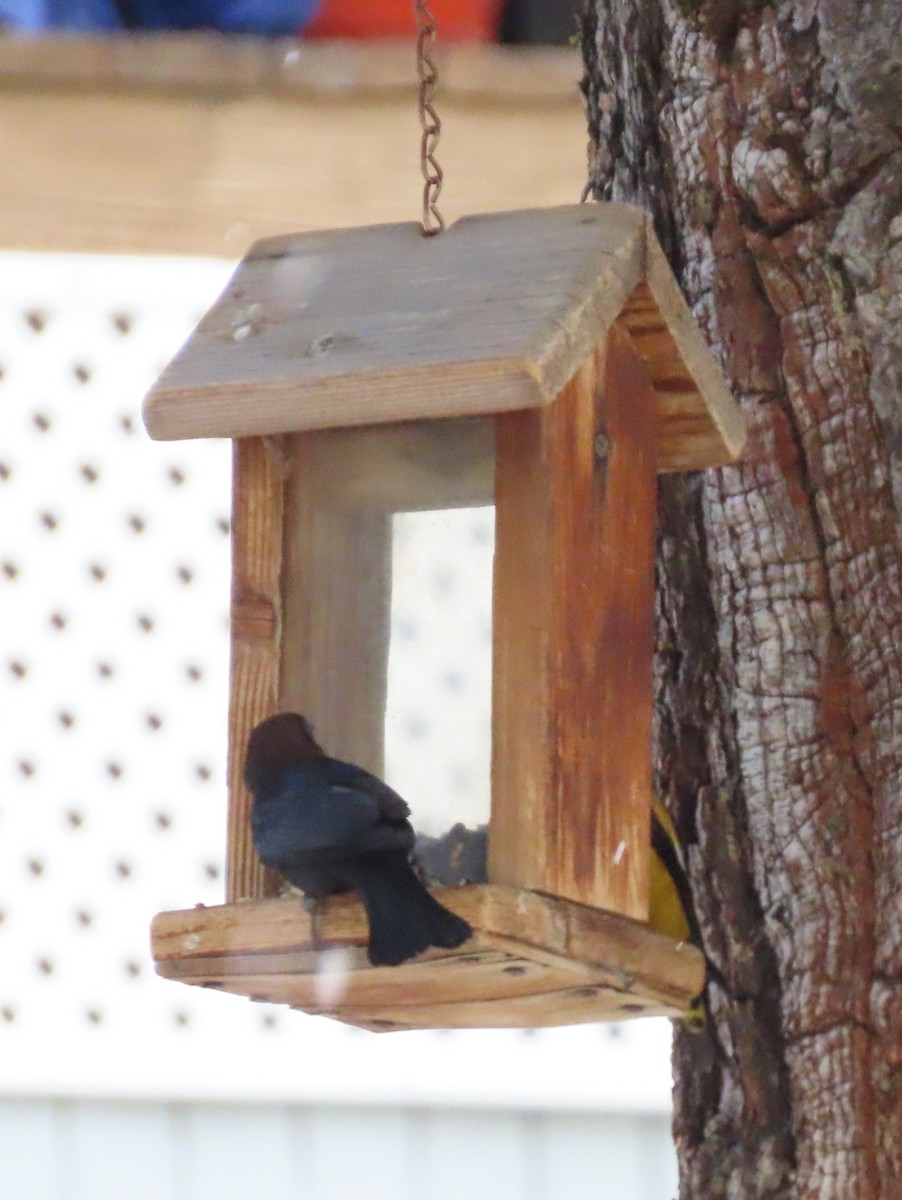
(433, 221)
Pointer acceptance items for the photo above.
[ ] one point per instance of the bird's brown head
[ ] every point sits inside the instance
(275, 745)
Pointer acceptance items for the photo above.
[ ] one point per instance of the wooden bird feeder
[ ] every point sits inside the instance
(543, 361)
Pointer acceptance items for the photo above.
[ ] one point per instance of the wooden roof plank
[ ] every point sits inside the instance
(361, 326)
(375, 325)
(698, 419)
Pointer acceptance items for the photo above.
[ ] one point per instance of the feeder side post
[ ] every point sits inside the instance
(336, 595)
(574, 636)
(255, 624)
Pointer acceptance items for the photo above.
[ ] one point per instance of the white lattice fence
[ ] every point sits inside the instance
(113, 687)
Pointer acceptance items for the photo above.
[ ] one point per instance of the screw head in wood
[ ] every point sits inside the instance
(602, 445)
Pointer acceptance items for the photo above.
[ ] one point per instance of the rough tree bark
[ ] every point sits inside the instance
(766, 139)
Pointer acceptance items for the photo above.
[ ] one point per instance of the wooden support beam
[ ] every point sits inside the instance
(257, 504)
(573, 638)
(409, 466)
(336, 594)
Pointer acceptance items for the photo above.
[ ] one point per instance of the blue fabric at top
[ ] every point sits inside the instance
(270, 17)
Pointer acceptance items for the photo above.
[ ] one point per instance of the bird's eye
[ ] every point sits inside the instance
(308, 726)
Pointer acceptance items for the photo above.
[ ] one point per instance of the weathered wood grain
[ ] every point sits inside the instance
(573, 626)
(698, 419)
(379, 325)
(256, 609)
(362, 326)
(535, 960)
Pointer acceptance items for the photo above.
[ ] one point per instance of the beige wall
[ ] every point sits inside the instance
(197, 146)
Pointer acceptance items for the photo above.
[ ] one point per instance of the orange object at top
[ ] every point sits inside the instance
(457, 20)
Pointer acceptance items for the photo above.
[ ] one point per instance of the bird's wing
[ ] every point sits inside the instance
(322, 817)
(392, 807)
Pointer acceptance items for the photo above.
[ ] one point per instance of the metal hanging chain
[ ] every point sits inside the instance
(433, 221)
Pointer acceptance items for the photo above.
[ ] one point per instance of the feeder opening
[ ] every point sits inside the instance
(438, 709)
(386, 622)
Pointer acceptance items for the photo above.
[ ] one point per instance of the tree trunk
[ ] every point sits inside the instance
(765, 139)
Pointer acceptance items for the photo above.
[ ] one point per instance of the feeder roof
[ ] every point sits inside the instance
(374, 325)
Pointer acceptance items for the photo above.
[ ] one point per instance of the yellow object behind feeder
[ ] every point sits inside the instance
(668, 889)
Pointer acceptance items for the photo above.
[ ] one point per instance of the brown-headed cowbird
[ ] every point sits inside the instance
(330, 827)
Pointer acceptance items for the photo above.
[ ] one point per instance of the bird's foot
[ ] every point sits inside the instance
(311, 906)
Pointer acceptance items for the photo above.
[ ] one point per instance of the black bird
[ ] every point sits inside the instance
(329, 827)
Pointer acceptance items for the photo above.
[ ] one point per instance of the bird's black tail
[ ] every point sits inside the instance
(405, 919)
